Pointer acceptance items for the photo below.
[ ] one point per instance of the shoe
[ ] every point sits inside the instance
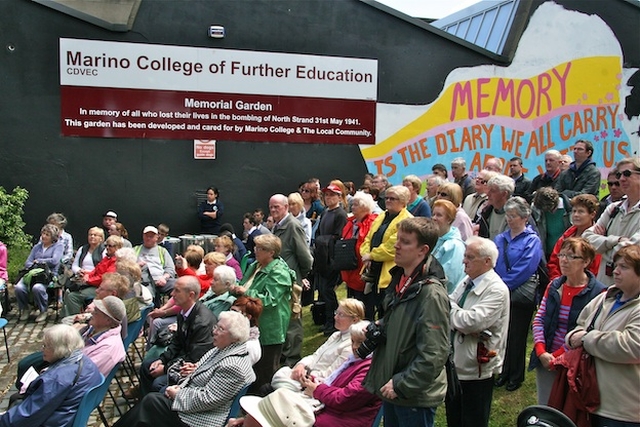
(24, 315)
(133, 393)
(513, 386)
(499, 382)
(42, 317)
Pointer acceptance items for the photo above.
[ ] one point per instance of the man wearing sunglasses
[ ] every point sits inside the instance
(582, 177)
(619, 225)
(615, 192)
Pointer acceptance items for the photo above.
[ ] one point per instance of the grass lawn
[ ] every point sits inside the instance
(506, 406)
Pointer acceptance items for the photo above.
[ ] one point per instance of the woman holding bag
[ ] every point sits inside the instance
(519, 253)
(561, 304)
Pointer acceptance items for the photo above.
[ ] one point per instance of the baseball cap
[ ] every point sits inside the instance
(111, 214)
(150, 229)
(111, 306)
(333, 188)
(282, 408)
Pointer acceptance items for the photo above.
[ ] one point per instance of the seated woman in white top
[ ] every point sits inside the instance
(330, 355)
(89, 255)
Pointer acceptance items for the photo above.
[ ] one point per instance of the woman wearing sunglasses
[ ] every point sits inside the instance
(619, 225)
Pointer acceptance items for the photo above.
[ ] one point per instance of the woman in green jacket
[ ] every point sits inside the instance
(270, 279)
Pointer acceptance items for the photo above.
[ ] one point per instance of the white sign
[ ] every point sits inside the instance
(106, 64)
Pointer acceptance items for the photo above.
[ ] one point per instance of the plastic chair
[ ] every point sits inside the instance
(235, 406)
(378, 419)
(89, 402)
(3, 323)
(244, 262)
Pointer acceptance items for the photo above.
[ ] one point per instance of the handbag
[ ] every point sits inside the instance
(577, 379)
(318, 313)
(39, 272)
(344, 255)
(524, 294)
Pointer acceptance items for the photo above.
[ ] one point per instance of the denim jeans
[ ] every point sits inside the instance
(396, 416)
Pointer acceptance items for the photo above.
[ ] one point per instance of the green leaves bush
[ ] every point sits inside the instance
(12, 227)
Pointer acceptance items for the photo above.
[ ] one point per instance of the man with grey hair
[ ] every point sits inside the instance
(433, 182)
(381, 182)
(491, 220)
(479, 323)
(551, 173)
(494, 164)
(297, 255)
(461, 177)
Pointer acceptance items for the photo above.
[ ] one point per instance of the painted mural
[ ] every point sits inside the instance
(565, 83)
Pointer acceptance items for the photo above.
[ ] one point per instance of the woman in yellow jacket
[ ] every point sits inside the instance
(378, 249)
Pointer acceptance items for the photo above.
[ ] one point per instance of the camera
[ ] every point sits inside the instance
(374, 336)
(485, 335)
(609, 269)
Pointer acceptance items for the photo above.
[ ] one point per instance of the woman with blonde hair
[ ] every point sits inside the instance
(378, 248)
(296, 209)
(453, 192)
(225, 246)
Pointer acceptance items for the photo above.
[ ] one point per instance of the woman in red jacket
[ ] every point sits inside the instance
(584, 209)
(358, 226)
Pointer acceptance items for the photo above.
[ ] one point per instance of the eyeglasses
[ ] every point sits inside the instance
(442, 194)
(391, 199)
(218, 328)
(569, 257)
(110, 246)
(481, 181)
(341, 314)
(305, 191)
(613, 184)
(626, 173)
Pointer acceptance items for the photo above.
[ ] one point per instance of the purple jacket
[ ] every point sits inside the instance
(347, 403)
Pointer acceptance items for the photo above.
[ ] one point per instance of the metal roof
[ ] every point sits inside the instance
(485, 24)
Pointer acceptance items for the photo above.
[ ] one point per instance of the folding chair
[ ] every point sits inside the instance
(3, 323)
(235, 406)
(89, 402)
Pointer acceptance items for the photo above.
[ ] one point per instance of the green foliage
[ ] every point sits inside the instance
(11, 227)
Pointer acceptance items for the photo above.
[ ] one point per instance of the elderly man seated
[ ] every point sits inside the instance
(102, 342)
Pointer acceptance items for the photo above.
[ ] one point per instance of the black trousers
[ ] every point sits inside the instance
(473, 407)
(154, 410)
(326, 285)
(515, 354)
(266, 366)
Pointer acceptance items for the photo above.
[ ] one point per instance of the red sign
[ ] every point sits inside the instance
(138, 113)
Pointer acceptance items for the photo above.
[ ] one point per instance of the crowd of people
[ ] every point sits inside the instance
(442, 291)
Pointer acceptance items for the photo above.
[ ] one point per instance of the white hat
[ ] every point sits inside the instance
(112, 306)
(111, 214)
(150, 229)
(282, 408)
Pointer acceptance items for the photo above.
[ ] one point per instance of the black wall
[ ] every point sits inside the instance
(151, 181)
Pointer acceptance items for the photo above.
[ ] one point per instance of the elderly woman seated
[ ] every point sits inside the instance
(206, 389)
(74, 301)
(53, 397)
(47, 251)
(344, 401)
(329, 356)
